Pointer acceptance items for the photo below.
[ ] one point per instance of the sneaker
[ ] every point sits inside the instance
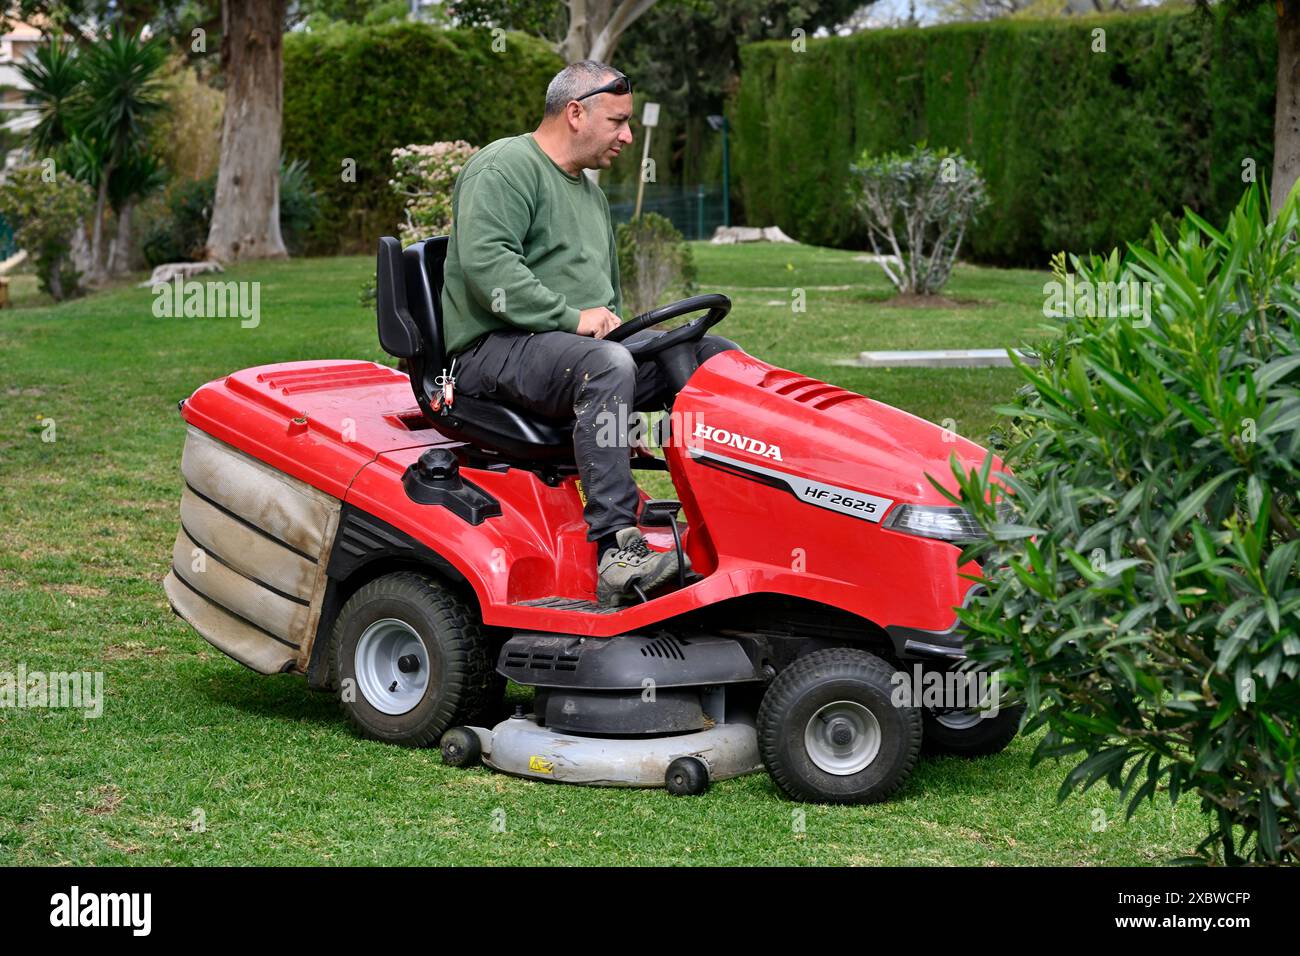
(632, 562)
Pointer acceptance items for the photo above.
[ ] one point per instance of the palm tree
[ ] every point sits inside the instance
(54, 77)
(122, 93)
(94, 110)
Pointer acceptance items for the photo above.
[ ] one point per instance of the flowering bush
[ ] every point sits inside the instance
(424, 177)
(45, 210)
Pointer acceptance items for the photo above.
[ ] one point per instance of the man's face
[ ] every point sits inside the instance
(604, 129)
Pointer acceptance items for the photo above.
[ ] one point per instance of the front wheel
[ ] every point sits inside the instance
(408, 660)
(829, 730)
(968, 733)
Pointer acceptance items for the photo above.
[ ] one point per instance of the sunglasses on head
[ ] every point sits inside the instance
(619, 86)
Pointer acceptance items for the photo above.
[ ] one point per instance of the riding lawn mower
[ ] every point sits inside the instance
(412, 554)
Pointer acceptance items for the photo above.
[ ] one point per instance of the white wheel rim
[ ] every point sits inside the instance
(384, 649)
(958, 719)
(842, 738)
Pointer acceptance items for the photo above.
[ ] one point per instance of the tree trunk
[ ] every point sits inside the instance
(79, 252)
(595, 27)
(1286, 119)
(246, 210)
(606, 41)
(120, 261)
(97, 227)
(574, 46)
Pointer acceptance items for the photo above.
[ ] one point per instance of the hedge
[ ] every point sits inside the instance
(356, 92)
(1168, 112)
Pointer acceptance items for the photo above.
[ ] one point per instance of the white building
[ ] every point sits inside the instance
(16, 44)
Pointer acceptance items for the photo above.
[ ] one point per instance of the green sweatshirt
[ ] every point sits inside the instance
(531, 246)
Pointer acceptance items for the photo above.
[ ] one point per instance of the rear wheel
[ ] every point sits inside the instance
(409, 660)
(968, 733)
(829, 730)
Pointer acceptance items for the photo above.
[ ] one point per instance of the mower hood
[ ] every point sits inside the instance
(782, 421)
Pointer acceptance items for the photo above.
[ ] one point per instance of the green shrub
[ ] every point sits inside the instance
(1171, 110)
(354, 93)
(299, 205)
(653, 258)
(179, 233)
(917, 207)
(44, 210)
(1148, 599)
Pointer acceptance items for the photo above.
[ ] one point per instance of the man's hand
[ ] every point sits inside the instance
(598, 322)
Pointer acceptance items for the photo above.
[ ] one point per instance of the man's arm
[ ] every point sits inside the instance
(492, 219)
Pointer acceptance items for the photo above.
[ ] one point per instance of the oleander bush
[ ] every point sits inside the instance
(1146, 596)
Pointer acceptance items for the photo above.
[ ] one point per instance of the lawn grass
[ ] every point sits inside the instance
(272, 769)
(24, 290)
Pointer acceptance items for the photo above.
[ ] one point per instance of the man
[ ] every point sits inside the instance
(531, 289)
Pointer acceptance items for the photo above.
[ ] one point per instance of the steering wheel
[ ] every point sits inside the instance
(717, 304)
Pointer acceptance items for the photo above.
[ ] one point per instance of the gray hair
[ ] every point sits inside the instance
(574, 80)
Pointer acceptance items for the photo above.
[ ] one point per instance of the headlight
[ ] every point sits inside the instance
(935, 521)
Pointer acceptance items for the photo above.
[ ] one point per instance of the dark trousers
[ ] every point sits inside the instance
(594, 383)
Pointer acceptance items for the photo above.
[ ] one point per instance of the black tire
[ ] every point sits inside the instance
(462, 682)
(991, 735)
(801, 691)
(687, 777)
(461, 747)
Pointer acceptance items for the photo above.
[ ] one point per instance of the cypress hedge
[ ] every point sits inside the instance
(1081, 150)
(356, 92)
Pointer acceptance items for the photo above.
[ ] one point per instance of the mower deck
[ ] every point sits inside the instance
(520, 747)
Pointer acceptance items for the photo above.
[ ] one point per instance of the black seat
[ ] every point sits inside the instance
(409, 311)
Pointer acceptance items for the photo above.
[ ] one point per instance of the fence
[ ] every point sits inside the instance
(7, 244)
(695, 210)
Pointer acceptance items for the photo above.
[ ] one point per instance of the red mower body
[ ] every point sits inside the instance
(786, 484)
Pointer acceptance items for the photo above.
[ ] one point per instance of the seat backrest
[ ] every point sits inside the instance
(409, 306)
(423, 271)
(398, 333)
